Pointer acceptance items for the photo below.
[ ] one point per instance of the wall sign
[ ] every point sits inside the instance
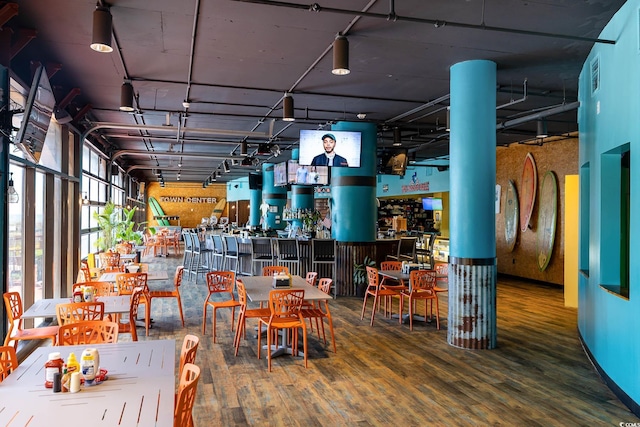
(172, 199)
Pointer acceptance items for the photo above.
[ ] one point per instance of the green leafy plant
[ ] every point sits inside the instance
(360, 272)
(107, 221)
(125, 228)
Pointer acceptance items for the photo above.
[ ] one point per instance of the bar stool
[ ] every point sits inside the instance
(188, 250)
(288, 254)
(218, 252)
(261, 252)
(200, 263)
(230, 253)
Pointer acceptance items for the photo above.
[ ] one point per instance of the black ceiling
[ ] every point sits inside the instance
(233, 60)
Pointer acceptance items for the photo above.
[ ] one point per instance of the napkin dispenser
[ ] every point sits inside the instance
(281, 281)
(408, 267)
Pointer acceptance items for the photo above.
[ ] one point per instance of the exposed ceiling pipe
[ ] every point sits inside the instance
(517, 101)
(419, 108)
(542, 114)
(121, 153)
(315, 7)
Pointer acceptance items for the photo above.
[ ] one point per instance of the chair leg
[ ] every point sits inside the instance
(204, 319)
(373, 312)
(214, 315)
(364, 305)
(180, 308)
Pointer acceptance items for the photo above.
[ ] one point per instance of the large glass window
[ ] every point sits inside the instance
(16, 232)
(40, 236)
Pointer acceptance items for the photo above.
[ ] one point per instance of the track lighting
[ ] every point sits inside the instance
(288, 114)
(126, 97)
(340, 55)
(101, 38)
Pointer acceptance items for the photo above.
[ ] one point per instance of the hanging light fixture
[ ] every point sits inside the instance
(226, 167)
(397, 137)
(126, 97)
(542, 129)
(101, 39)
(448, 129)
(340, 55)
(85, 199)
(12, 194)
(288, 114)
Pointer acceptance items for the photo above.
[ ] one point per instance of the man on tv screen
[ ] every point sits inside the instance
(329, 157)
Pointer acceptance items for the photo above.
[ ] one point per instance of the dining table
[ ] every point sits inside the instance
(46, 307)
(151, 275)
(139, 389)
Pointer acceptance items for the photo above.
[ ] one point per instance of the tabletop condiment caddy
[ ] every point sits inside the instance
(67, 377)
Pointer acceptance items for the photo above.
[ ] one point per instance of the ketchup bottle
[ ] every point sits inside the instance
(52, 366)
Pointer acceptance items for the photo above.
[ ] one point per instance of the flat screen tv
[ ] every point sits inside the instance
(307, 175)
(280, 174)
(344, 148)
(37, 116)
(394, 161)
(255, 181)
(432, 204)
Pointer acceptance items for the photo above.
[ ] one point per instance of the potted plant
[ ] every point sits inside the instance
(125, 228)
(360, 279)
(107, 222)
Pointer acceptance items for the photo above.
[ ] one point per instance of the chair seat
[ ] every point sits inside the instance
(162, 294)
(227, 303)
(36, 333)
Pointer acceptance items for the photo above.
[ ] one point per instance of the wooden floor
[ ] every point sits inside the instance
(387, 375)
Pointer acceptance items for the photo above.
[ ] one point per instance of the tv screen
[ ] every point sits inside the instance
(280, 174)
(37, 116)
(330, 148)
(308, 175)
(394, 161)
(255, 181)
(432, 204)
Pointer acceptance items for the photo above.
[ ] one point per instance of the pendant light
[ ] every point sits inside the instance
(340, 55)
(12, 194)
(542, 129)
(287, 108)
(126, 97)
(101, 39)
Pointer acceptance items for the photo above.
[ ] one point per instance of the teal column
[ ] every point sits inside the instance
(255, 200)
(353, 190)
(274, 197)
(472, 268)
(301, 198)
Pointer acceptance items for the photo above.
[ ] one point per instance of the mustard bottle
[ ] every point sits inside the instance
(72, 364)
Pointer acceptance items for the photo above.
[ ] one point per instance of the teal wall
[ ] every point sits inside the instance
(609, 121)
(437, 182)
(241, 192)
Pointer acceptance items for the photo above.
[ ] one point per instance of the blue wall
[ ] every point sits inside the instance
(241, 192)
(609, 120)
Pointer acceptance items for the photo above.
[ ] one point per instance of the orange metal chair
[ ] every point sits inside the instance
(376, 291)
(175, 293)
(188, 351)
(88, 332)
(85, 271)
(186, 396)
(220, 283)
(320, 311)
(128, 326)
(442, 277)
(270, 270)
(285, 305)
(311, 278)
(246, 313)
(78, 311)
(8, 361)
(103, 289)
(127, 282)
(15, 333)
(109, 260)
(423, 283)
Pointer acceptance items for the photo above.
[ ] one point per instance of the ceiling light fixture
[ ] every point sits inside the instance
(288, 114)
(340, 55)
(12, 194)
(126, 97)
(243, 148)
(275, 150)
(226, 167)
(101, 38)
(542, 129)
(397, 137)
(361, 116)
(448, 129)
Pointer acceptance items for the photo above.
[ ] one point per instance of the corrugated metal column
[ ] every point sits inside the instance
(472, 271)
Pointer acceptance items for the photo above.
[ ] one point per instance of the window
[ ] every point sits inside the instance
(595, 75)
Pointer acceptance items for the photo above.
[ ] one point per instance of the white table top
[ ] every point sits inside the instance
(47, 307)
(151, 275)
(139, 390)
(258, 288)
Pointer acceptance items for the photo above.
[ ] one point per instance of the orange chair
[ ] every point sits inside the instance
(103, 289)
(109, 260)
(188, 352)
(85, 271)
(220, 283)
(8, 361)
(175, 293)
(127, 282)
(321, 311)
(311, 278)
(284, 306)
(270, 270)
(77, 311)
(392, 266)
(88, 332)
(374, 289)
(422, 286)
(15, 333)
(246, 313)
(128, 326)
(186, 396)
(442, 277)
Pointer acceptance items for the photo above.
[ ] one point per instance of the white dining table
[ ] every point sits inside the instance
(258, 288)
(151, 275)
(47, 307)
(139, 390)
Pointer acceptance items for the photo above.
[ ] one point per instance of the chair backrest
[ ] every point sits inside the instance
(270, 270)
(423, 281)
(13, 304)
(74, 312)
(196, 244)
(177, 278)
(325, 285)
(261, 247)
(391, 265)
(102, 289)
(231, 245)
(124, 248)
(8, 361)
(323, 250)
(188, 244)
(242, 292)
(88, 332)
(407, 247)
(128, 281)
(311, 278)
(286, 302)
(109, 259)
(189, 349)
(442, 269)
(372, 278)
(186, 395)
(288, 249)
(86, 271)
(221, 281)
(218, 244)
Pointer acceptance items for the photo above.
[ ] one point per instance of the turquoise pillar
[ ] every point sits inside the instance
(255, 200)
(353, 190)
(274, 197)
(472, 268)
(301, 198)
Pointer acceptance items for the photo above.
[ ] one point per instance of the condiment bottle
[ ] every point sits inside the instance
(72, 363)
(52, 366)
(66, 378)
(90, 364)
